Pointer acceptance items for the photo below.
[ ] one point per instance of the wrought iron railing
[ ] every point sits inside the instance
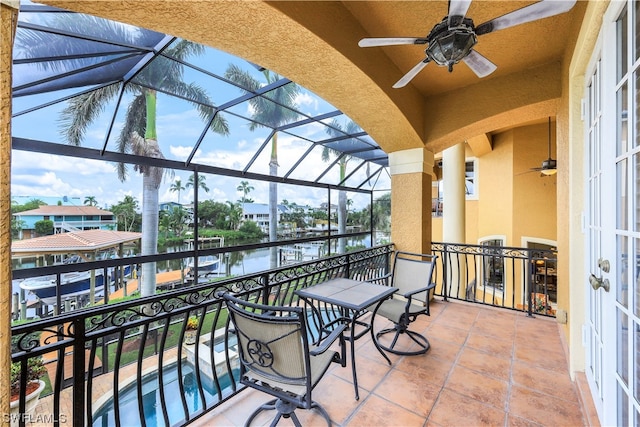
(113, 363)
(508, 277)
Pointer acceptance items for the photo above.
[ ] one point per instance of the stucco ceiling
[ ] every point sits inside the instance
(315, 44)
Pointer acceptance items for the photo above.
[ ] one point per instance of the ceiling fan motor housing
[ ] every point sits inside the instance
(549, 164)
(448, 45)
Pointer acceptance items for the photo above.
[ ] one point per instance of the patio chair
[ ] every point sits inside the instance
(411, 274)
(277, 358)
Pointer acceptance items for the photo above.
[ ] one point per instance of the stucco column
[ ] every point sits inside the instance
(453, 198)
(453, 202)
(411, 172)
(8, 18)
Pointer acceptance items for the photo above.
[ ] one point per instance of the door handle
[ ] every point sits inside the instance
(604, 265)
(599, 282)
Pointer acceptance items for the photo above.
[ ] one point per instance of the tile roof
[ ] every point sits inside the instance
(65, 210)
(76, 241)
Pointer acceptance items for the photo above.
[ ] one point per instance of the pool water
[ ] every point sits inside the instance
(128, 398)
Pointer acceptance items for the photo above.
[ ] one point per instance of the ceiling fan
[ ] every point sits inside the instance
(549, 166)
(452, 40)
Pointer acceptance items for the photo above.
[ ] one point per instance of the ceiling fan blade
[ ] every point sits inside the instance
(390, 41)
(411, 74)
(542, 9)
(529, 171)
(479, 64)
(457, 8)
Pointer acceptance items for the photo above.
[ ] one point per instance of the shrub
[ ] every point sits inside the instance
(35, 371)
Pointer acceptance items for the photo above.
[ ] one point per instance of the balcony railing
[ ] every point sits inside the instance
(113, 364)
(507, 277)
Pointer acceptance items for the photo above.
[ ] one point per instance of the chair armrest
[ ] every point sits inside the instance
(326, 343)
(379, 279)
(417, 291)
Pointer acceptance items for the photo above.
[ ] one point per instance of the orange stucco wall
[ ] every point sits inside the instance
(512, 200)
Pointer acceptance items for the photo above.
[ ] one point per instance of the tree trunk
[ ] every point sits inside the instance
(149, 232)
(273, 216)
(342, 221)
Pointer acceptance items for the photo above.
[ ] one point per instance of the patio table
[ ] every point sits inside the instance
(352, 297)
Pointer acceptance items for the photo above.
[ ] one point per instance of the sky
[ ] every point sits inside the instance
(179, 126)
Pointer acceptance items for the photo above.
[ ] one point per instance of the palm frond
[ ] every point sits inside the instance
(82, 110)
(182, 49)
(134, 123)
(39, 44)
(201, 101)
(247, 83)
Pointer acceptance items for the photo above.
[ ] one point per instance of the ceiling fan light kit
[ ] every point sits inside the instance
(448, 46)
(452, 40)
(549, 167)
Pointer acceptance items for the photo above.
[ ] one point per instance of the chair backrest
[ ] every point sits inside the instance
(272, 341)
(412, 271)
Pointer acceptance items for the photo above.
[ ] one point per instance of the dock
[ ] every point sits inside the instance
(163, 280)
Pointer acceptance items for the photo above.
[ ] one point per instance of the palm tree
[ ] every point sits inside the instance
(177, 187)
(268, 113)
(335, 129)
(91, 201)
(138, 134)
(235, 215)
(202, 182)
(246, 189)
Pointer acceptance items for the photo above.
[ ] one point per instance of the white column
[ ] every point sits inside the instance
(453, 200)
(453, 216)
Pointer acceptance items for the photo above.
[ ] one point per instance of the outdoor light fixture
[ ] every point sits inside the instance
(549, 167)
(450, 45)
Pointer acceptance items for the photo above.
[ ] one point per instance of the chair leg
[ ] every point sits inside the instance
(286, 410)
(422, 341)
(264, 407)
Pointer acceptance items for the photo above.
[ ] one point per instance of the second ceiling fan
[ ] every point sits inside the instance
(452, 40)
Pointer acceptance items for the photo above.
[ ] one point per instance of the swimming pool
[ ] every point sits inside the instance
(128, 398)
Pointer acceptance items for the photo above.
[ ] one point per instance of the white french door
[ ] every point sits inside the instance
(613, 221)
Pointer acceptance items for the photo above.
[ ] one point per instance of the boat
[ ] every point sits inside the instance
(72, 285)
(206, 265)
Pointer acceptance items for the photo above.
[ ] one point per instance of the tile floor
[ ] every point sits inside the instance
(486, 367)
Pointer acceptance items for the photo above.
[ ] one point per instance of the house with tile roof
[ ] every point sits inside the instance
(66, 218)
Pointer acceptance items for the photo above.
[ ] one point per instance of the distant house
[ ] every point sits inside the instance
(168, 206)
(66, 218)
(259, 213)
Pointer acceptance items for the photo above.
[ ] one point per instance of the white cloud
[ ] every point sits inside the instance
(305, 99)
(181, 152)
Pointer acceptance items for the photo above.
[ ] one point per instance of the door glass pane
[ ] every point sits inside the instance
(621, 45)
(621, 114)
(622, 257)
(636, 102)
(636, 364)
(622, 205)
(622, 327)
(635, 281)
(636, 30)
(635, 191)
(623, 407)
